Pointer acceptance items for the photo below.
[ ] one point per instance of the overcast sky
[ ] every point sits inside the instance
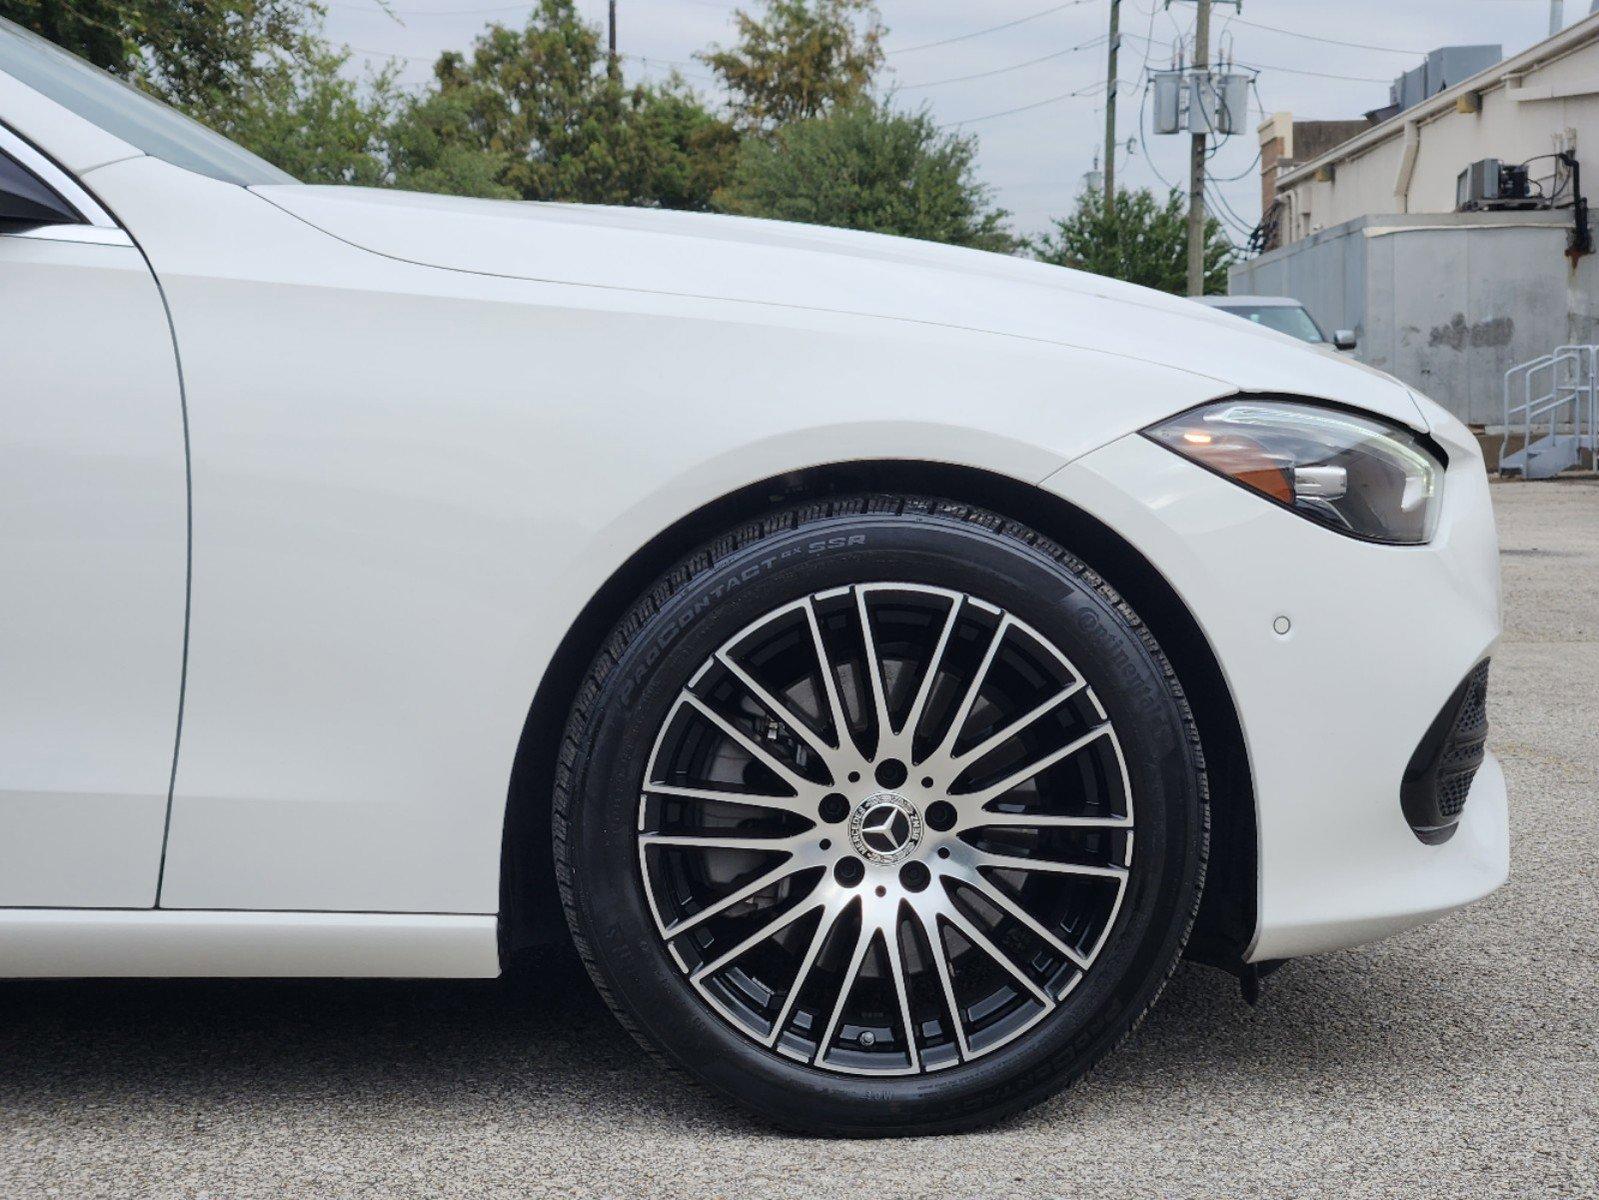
(1035, 158)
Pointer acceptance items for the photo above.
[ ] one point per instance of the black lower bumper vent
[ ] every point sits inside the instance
(1439, 776)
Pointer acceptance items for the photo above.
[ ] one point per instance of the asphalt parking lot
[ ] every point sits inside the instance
(1456, 1060)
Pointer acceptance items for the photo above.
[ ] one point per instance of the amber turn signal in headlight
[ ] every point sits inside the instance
(1357, 474)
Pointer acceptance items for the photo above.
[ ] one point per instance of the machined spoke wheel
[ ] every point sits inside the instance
(844, 816)
(885, 828)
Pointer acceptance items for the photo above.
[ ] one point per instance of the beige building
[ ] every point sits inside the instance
(1367, 233)
(1286, 143)
(1538, 102)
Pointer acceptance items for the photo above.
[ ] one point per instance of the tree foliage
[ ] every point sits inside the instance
(98, 30)
(798, 59)
(301, 111)
(867, 167)
(1143, 240)
(534, 113)
(540, 113)
(188, 52)
(257, 71)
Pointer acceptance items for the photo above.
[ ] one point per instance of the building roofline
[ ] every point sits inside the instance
(1575, 37)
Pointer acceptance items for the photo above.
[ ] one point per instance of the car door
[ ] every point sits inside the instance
(93, 549)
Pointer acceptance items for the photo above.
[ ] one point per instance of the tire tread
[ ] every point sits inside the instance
(584, 712)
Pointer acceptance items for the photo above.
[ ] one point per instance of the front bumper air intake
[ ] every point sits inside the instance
(1438, 779)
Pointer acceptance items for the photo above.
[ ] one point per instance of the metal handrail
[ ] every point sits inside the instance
(1570, 396)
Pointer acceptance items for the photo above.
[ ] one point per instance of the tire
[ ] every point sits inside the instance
(843, 1018)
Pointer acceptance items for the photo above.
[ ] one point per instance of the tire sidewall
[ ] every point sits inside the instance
(1060, 600)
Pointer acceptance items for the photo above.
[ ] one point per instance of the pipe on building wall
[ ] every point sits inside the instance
(1407, 164)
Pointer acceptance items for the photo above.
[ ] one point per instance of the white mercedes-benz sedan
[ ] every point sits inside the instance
(883, 661)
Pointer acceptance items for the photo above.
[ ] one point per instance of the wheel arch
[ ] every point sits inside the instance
(529, 907)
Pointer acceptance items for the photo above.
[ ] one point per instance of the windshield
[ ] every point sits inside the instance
(1284, 318)
(125, 112)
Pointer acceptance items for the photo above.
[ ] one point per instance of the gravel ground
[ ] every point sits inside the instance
(1460, 1059)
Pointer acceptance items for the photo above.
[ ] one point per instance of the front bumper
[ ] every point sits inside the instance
(1331, 711)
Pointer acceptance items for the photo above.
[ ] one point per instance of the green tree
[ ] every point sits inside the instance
(101, 31)
(255, 70)
(188, 52)
(798, 59)
(867, 167)
(1144, 240)
(301, 111)
(690, 151)
(434, 146)
(534, 113)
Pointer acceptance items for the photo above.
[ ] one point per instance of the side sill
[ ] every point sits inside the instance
(43, 943)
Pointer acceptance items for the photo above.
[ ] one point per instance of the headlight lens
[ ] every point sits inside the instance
(1356, 474)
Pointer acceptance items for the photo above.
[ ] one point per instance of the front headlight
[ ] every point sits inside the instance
(1359, 475)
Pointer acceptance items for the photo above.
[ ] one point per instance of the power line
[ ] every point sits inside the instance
(1254, 66)
(1317, 74)
(1311, 37)
(991, 29)
(1235, 178)
(1215, 192)
(432, 12)
(638, 58)
(1028, 107)
(391, 54)
(1225, 212)
(1032, 62)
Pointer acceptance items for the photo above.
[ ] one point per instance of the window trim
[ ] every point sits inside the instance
(63, 184)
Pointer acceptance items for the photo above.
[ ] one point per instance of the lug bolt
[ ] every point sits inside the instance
(868, 1038)
(941, 815)
(914, 876)
(890, 773)
(833, 808)
(849, 871)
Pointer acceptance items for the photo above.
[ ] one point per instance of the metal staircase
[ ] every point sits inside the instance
(1552, 404)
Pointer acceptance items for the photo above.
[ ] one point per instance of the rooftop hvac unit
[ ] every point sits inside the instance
(1218, 102)
(1442, 68)
(1168, 88)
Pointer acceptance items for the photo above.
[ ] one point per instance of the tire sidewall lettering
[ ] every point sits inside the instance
(820, 556)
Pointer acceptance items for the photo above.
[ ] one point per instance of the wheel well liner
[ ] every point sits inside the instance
(529, 907)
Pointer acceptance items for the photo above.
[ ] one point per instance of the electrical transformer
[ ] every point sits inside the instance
(1168, 89)
(1218, 102)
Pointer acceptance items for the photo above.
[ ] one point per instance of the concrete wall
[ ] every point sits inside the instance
(1325, 272)
(1446, 302)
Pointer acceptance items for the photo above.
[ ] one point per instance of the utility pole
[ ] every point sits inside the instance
(1110, 106)
(1557, 16)
(613, 66)
(1196, 158)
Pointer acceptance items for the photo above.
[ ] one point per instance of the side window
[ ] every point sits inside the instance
(27, 201)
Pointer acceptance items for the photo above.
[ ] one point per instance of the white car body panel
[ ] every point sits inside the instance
(424, 432)
(93, 538)
(1338, 865)
(76, 144)
(833, 270)
(394, 478)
